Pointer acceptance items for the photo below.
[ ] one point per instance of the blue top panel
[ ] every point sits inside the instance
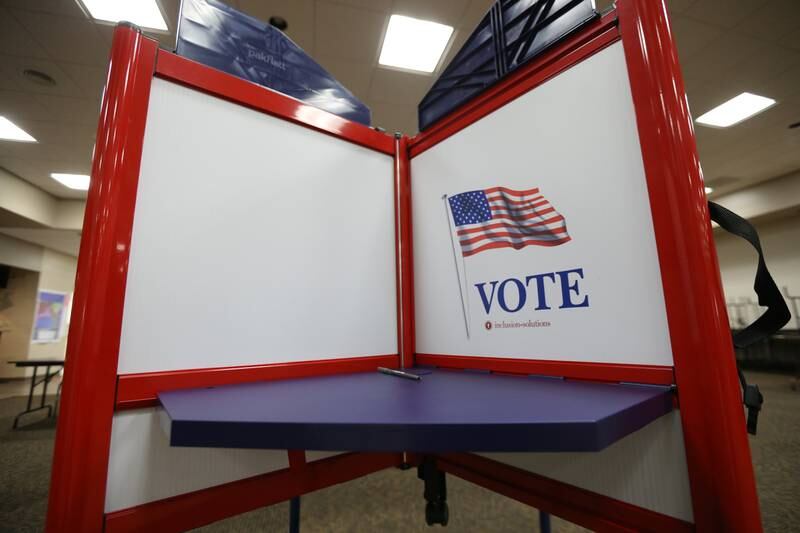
(216, 35)
(444, 411)
(512, 33)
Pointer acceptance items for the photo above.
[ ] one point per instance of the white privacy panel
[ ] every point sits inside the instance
(594, 292)
(647, 468)
(143, 467)
(255, 241)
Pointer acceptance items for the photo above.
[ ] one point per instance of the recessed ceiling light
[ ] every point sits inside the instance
(73, 181)
(735, 110)
(11, 132)
(143, 13)
(709, 190)
(414, 44)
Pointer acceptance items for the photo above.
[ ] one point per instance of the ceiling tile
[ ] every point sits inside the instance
(66, 38)
(355, 76)
(348, 33)
(720, 55)
(724, 12)
(448, 12)
(474, 13)
(9, 79)
(21, 108)
(394, 117)
(90, 79)
(27, 168)
(692, 35)
(78, 135)
(71, 110)
(783, 86)
(13, 67)
(373, 5)
(791, 40)
(757, 72)
(679, 6)
(398, 87)
(773, 21)
(299, 14)
(15, 39)
(56, 7)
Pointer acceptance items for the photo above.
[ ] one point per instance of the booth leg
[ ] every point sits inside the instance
(544, 522)
(436, 511)
(294, 515)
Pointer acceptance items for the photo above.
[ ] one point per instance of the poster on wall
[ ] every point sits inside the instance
(52, 309)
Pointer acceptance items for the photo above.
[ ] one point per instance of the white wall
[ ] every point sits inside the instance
(738, 260)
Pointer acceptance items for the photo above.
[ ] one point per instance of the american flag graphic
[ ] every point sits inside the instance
(504, 218)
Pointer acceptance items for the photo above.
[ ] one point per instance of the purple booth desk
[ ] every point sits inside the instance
(445, 411)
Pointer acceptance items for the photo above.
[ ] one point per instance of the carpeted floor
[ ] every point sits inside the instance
(392, 500)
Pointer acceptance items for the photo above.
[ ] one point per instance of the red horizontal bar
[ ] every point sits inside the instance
(218, 83)
(195, 509)
(136, 391)
(589, 509)
(561, 57)
(650, 374)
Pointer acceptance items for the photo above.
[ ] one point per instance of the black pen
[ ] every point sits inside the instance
(398, 373)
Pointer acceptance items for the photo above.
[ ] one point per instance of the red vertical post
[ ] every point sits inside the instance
(717, 451)
(404, 260)
(80, 463)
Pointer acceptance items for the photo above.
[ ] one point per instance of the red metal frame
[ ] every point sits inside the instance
(80, 463)
(592, 510)
(92, 389)
(721, 476)
(136, 391)
(717, 451)
(217, 83)
(404, 251)
(196, 509)
(650, 374)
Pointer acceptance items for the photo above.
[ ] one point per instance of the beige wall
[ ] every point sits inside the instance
(20, 254)
(780, 240)
(15, 342)
(36, 268)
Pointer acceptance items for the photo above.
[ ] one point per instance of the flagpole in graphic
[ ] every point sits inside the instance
(456, 254)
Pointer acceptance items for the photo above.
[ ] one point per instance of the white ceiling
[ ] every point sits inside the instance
(726, 47)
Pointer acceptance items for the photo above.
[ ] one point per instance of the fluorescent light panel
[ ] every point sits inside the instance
(414, 44)
(736, 110)
(143, 13)
(79, 182)
(11, 132)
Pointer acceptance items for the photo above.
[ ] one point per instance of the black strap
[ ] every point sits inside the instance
(774, 318)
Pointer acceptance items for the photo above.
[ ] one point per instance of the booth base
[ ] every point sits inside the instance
(444, 411)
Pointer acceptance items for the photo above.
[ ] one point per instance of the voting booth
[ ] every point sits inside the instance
(541, 257)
